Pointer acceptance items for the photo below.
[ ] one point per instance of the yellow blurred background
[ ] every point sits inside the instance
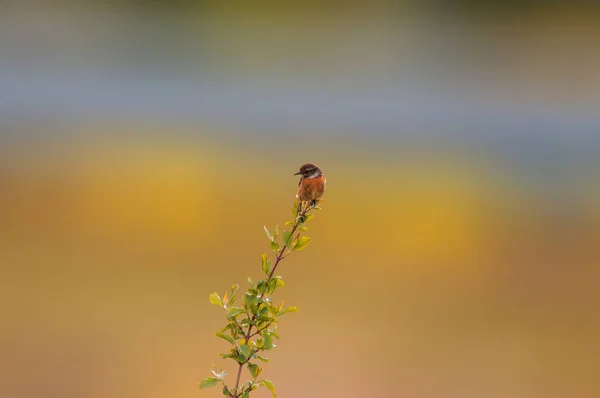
(143, 146)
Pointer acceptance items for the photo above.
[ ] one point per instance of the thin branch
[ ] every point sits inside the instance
(261, 329)
(280, 256)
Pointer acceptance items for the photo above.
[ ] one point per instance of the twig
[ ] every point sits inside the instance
(280, 256)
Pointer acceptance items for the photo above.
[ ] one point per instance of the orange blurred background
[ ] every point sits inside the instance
(143, 146)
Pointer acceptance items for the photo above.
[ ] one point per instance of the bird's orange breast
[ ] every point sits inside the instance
(311, 188)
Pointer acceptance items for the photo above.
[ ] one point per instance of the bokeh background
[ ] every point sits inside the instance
(144, 144)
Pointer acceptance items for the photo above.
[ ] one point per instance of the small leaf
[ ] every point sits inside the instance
(279, 282)
(269, 385)
(263, 312)
(295, 208)
(215, 299)
(273, 309)
(260, 358)
(268, 341)
(287, 238)
(225, 391)
(272, 285)
(250, 281)
(302, 243)
(289, 223)
(261, 286)
(250, 301)
(226, 337)
(276, 234)
(288, 309)
(209, 382)
(274, 246)
(265, 264)
(235, 330)
(225, 299)
(233, 312)
(234, 289)
(254, 369)
(246, 394)
(268, 233)
(246, 350)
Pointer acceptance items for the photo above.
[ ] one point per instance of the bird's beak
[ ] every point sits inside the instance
(297, 173)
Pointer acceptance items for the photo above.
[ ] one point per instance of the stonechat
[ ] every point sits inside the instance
(312, 183)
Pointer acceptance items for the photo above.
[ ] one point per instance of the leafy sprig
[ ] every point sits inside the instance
(252, 324)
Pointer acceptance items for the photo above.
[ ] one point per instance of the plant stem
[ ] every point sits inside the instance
(278, 259)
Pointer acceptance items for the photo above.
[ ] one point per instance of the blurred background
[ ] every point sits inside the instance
(144, 144)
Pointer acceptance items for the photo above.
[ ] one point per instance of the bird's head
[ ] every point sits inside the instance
(309, 170)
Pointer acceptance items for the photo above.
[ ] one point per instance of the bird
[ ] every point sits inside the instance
(311, 185)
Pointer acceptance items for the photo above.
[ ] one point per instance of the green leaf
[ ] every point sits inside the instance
(261, 286)
(215, 299)
(246, 394)
(226, 328)
(225, 391)
(287, 238)
(235, 330)
(234, 289)
(251, 301)
(246, 350)
(254, 369)
(232, 354)
(233, 312)
(273, 309)
(269, 385)
(268, 341)
(272, 285)
(302, 243)
(274, 246)
(279, 282)
(289, 223)
(276, 234)
(225, 356)
(264, 312)
(261, 358)
(288, 309)
(295, 208)
(209, 382)
(268, 233)
(266, 264)
(250, 281)
(226, 337)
